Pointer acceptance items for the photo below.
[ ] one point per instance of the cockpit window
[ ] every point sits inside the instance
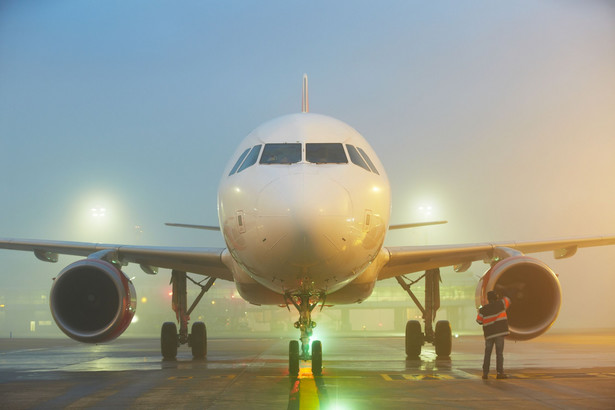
(239, 161)
(251, 158)
(369, 161)
(281, 153)
(326, 153)
(356, 158)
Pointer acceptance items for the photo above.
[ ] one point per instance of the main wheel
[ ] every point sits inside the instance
(293, 357)
(168, 341)
(316, 358)
(443, 338)
(198, 340)
(414, 339)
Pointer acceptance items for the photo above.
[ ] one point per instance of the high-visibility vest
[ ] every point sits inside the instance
(493, 318)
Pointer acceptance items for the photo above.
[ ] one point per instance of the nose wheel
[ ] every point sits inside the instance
(316, 358)
(305, 303)
(294, 357)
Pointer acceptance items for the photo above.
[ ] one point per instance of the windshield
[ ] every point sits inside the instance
(356, 158)
(251, 159)
(281, 153)
(325, 153)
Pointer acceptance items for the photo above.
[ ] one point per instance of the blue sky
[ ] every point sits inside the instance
(499, 115)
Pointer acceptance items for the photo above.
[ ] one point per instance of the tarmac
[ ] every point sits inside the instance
(555, 371)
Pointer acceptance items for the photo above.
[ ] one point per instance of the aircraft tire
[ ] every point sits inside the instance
(293, 358)
(168, 341)
(198, 340)
(316, 358)
(443, 338)
(414, 339)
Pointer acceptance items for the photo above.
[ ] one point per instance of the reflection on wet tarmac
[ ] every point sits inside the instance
(358, 373)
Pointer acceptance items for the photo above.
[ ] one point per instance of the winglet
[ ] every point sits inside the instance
(305, 103)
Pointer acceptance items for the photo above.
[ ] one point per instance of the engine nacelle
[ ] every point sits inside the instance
(534, 291)
(92, 301)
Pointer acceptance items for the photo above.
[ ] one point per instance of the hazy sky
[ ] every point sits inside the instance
(499, 115)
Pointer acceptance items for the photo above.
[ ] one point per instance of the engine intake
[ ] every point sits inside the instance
(534, 291)
(92, 301)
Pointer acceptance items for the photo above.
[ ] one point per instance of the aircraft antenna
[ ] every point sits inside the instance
(305, 103)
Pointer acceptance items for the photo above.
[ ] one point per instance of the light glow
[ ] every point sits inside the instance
(99, 212)
(426, 210)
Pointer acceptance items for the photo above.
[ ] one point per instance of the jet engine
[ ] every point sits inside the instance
(92, 301)
(534, 291)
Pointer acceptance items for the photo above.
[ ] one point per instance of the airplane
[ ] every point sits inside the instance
(304, 207)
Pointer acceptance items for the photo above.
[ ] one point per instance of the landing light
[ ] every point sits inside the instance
(316, 335)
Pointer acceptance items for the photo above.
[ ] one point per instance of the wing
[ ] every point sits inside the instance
(204, 261)
(192, 226)
(408, 259)
(416, 225)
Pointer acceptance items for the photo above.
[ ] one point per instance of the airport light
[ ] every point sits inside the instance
(426, 211)
(98, 212)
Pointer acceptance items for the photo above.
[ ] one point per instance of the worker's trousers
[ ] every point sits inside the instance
(499, 354)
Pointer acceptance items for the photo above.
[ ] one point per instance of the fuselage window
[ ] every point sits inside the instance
(326, 153)
(281, 153)
(239, 161)
(251, 158)
(356, 158)
(369, 161)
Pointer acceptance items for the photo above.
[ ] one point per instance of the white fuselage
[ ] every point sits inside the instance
(303, 205)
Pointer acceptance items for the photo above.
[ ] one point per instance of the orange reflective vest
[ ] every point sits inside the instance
(493, 318)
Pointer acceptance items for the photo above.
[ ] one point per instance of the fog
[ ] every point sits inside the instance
(498, 116)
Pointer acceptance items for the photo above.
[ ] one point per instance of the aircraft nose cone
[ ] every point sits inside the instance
(304, 198)
(302, 215)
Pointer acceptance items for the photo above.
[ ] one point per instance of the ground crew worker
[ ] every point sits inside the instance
(494, 321)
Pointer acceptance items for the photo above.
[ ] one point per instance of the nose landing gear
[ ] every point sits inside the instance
(305, 303)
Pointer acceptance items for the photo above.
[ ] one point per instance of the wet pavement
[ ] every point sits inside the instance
(555, 371)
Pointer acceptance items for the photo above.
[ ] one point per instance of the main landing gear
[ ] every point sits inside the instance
(170, 339)
(304, 303)
(442, 337)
